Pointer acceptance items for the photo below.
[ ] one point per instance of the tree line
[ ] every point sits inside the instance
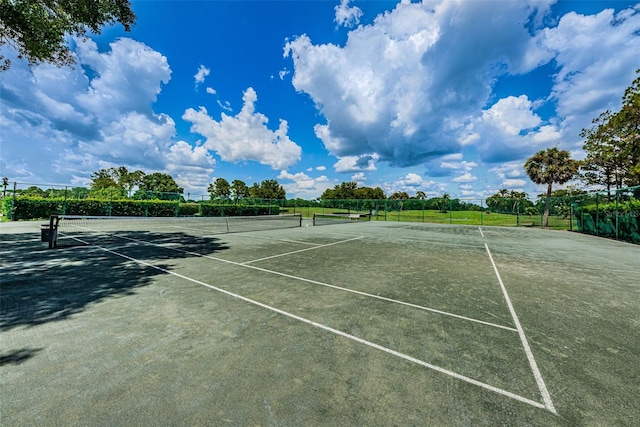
(612, 145)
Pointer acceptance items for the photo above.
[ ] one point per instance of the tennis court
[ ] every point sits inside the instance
(358, 323)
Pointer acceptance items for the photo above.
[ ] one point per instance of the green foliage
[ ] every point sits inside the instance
(220, 188)
(239, 189)
(38, 29)
(612, 144)
(214, 209)
(267, 189)
(551, 166)
(351, 191)
(29, 207)
(160, 182)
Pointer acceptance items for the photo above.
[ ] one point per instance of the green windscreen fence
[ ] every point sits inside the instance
(614, 214)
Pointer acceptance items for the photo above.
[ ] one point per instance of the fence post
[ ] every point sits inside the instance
(597, 213)
(617, 197)
(13, 208)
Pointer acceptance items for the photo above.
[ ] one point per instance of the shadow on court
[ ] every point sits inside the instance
(40, 285)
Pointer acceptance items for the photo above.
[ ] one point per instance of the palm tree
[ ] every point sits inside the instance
(549, 166)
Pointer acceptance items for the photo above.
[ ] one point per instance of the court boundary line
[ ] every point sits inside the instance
(546, 397)
(334, 331)
(328, 285)
(302, 250)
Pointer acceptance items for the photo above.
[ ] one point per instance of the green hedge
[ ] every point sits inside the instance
(600, 219)
(25, 208)
(211, 209)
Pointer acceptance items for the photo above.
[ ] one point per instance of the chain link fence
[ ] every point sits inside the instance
(613, 215)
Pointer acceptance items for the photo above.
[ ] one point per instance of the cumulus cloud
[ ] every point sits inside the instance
(245, 137)
(359, 177)
(404, 86)
(347, 16)
(417, 83)
(596, 56)
(303, 186)
(95, 115)
(412, 183)
(202, 73)
(211, 91)
(356, 163)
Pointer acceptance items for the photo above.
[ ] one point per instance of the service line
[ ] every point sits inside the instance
(315, 282)
(301, 250)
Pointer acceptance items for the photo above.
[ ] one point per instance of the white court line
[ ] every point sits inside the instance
(337, 332)
(302, 250)
(532, 362)
(315, 282)
(481, 233)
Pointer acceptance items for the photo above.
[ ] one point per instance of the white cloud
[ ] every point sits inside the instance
(510, 129)
(303, 186)
(416, 84)
(95, 115)
(211, 91)
(412, 183)
(359, 177)
(356, 163)
(245, 137)
(405, 86)
(321, 168)
(346, 15)
(283, 73)
(514, 184)
(202, 73)
(466, 177)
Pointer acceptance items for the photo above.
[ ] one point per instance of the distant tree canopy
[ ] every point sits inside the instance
(509, 201)
(268, 189)
(38, 29)
(116, 178)
(160, 182)
(350, 190)
(219, 188)
(613, 144)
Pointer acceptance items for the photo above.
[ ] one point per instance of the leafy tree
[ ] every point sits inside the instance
(116, 178)
(5, 184)
(128, 180)
(268, 189)
(420, 195)
(368, 193)
(548, 167)
(351, 191)
(220, 188)
(33, 191)
(508, 201)
(239, 189)
(612, 144)
(37, 29)
(399, 195)
(104, 178)
(160, 182)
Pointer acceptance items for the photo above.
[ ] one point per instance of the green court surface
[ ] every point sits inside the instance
(370, 323)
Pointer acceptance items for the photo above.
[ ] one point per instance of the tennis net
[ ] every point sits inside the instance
(339, 218)
(77, 229)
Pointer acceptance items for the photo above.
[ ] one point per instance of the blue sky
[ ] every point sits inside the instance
(438, 96)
